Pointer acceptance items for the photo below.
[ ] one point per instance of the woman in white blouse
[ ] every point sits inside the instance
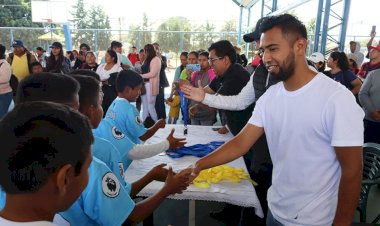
(110, 66)
(151, 75)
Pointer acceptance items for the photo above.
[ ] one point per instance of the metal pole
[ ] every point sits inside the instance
(274, 5)
(240, 22)
(318, 25)
(325, 26)
(248, 23)
(67, 32)
(343, 31)
(262, 8)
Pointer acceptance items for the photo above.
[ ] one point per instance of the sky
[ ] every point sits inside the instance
(362, 15)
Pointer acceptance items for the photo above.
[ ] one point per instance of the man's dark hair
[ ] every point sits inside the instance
(40, 138)
(205, 54)
(2, 52)
(127, 78)
(141, 51)
(85, 45)
(224, 48)
(113, 54)
(34, 63)
(341, 59)
(195, 53)
(86, 72)
(89, 91)
(116, 44)
(47, 86)
(290, 26)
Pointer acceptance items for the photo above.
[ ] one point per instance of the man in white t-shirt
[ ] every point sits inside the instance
(314, 130)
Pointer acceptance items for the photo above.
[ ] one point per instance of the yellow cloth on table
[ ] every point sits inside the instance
(223, 172)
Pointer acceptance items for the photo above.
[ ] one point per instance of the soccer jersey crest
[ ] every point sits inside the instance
(110, 185)
(117, 134)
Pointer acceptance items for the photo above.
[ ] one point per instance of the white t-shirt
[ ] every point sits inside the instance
(4, 222)
(302, 128)
(105, 74)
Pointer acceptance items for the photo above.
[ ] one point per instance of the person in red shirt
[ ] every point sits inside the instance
(133, 56)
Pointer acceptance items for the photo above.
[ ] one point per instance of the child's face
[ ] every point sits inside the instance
(98, 111)
(37, 69)
(77, 183)
(132, 94)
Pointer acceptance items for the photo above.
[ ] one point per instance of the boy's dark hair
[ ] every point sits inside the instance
(127, 78)
(141, 51)
(116, 44)
(89, 91)
(47, 86)
(291, 27)
(224, 48)
(195, 53)
(204, 53)
(85, 45)
(341, 59)
(86, 72)
(113, 54)
(40, 138)
(185, 54)
(34, 63)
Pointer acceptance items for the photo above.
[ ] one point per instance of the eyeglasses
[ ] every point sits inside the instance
(211, 60)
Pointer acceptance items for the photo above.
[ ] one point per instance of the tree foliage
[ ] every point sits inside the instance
(230, 26)
(94, 18)
(205, 37)
(17, 13)
(140, 35)
(174, 41)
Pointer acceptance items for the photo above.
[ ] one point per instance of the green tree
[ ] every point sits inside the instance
(228, 27)
(17, 13)
(205, 37)
(142, 30)
(78, 22)
(97, 19)
(174, 41)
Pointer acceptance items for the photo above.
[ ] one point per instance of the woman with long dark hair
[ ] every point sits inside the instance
(57, 62)
(151, 74)
(341, 72)
(110, 66)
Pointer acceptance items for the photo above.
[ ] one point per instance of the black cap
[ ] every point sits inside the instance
(255, 35)
(56, 45)
(40, 49)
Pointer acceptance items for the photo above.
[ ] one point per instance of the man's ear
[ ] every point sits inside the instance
(300, 46)
(63, 178)
(89, 111)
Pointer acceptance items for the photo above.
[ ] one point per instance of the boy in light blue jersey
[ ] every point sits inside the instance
(43, 162)
(106, 201)
(122, 116)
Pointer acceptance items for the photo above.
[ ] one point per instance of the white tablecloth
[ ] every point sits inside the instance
(242, 194)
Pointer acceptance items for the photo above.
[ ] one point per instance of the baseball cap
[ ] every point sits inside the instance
(17, 43)
(353, 57)
(375, 47)
(40, 49)
(56, 45)
(255, 35)
(316, 57)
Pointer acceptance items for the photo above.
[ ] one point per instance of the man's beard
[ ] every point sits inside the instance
(286, 70)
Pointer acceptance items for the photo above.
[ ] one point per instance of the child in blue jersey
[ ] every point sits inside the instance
(106, 200)
(123, 117)
(43, 162)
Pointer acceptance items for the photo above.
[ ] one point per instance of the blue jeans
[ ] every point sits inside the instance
(271, 221)
(5, 101)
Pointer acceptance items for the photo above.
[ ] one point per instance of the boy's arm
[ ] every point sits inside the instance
(152, 130)
(174, 184)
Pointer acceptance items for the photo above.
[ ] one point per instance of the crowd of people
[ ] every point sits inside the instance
(74, 130)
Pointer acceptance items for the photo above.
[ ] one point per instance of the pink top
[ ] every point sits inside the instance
(5, 76)
(154, 75)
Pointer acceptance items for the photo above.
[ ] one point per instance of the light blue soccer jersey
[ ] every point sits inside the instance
(103, 202)
(108, 153)
(2, 198)
(112, 134)
(125, 116)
